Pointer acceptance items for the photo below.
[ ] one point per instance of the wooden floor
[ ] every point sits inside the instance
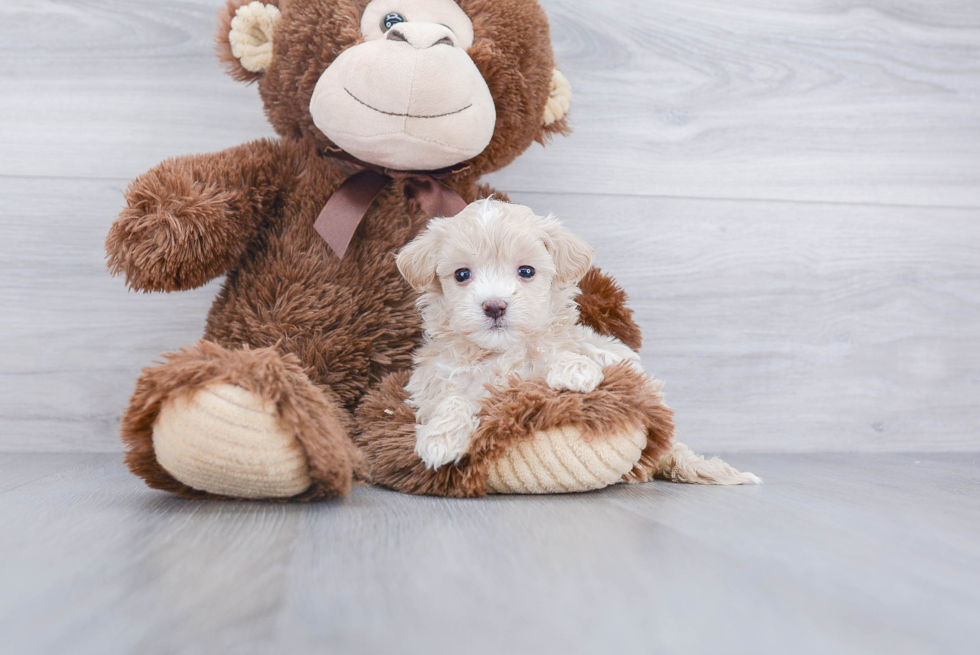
(790, 193)
(834, 554)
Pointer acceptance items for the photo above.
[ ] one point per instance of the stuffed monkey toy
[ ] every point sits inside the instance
(388, 112)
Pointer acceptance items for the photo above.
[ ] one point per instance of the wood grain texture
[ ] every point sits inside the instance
(107, 89)
(790, 194)
(72, 338)
(844, 324)
(834, 554)
(817, 100)
(799, 326)
(777, 326)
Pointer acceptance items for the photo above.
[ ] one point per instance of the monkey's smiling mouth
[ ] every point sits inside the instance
(391, 113)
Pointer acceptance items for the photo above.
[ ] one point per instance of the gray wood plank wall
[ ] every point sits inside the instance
(789, 191)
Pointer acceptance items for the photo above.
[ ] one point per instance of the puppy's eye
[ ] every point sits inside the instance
(391, 20)
(526, 272)
(463, 275)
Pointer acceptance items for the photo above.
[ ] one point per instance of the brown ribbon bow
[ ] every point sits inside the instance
(344, 211)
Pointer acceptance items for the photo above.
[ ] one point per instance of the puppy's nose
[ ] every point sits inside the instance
(494, 308)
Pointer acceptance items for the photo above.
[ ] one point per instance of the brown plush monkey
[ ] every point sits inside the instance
(289, 394)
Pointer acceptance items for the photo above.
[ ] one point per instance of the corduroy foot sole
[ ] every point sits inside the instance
(560, 460)
(228, 441)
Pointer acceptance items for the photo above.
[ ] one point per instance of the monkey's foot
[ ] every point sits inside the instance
(243, 423)
(228, 441)
(531, 438)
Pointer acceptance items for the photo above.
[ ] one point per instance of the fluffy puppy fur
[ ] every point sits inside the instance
(498, 288)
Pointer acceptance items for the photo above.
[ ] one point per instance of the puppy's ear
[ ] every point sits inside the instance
(572, 256)
(417, 260)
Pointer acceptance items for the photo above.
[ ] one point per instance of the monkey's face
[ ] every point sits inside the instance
(409, 96)
(405, 84)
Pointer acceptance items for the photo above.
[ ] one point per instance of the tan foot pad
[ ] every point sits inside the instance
(225, 440)
(560, 461)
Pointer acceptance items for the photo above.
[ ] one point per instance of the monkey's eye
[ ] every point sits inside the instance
(526, 272)
(463, 275)
(391, 20)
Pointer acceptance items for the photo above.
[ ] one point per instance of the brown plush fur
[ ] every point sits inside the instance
(292, 321)
(624, 400)
(319, 425)
(512, 50)
(602, 306)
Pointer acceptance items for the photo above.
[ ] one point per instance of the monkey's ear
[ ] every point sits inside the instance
(244, 39)
(417, 261)
(556, 109)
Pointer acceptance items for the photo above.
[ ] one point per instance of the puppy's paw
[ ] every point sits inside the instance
(446, 436)
(439, 447)
(607, 351)
(574, 373)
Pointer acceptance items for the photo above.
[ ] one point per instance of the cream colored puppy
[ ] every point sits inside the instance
(498, 287)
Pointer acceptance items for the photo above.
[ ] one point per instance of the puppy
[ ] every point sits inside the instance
(498, 286)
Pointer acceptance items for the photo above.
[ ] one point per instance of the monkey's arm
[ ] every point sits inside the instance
(602, 307)
(191, 218)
